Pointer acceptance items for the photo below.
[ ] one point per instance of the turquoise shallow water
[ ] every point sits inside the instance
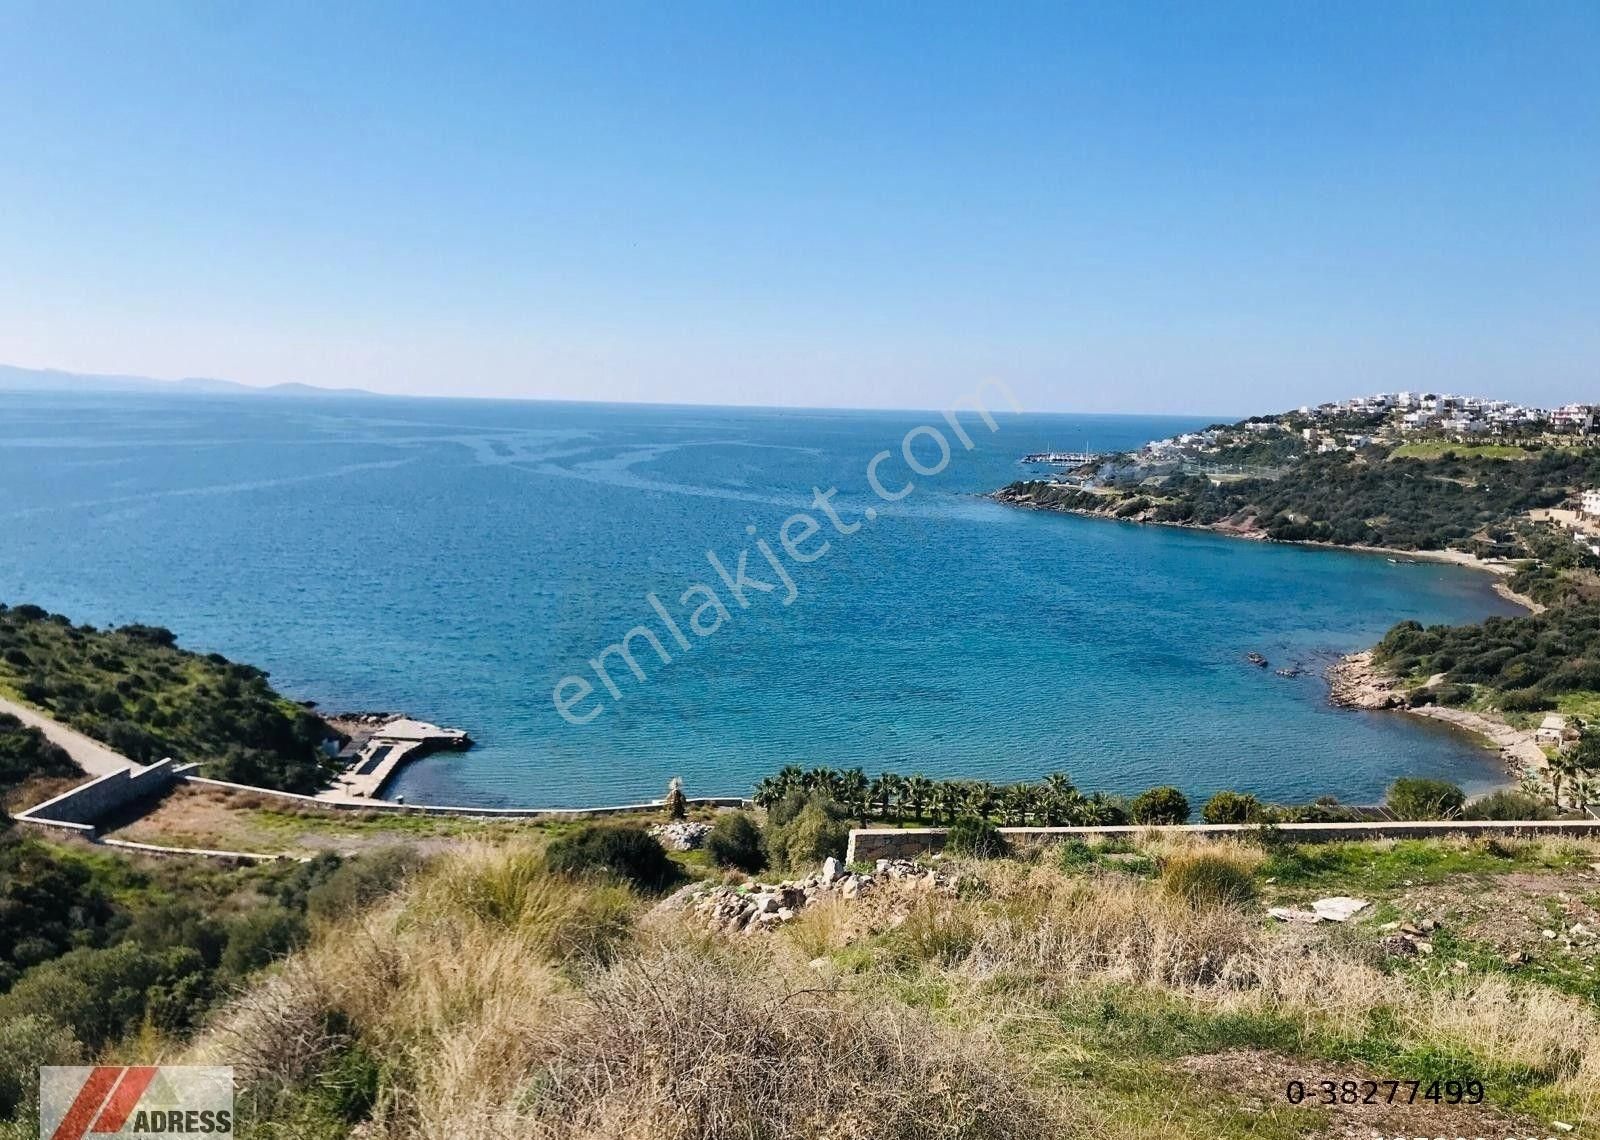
(455, 559)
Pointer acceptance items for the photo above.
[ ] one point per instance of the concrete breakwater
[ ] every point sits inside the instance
(378, 745)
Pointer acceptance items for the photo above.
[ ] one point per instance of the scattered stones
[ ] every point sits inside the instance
(1339, 908)
(681, 835)
(1398, 946)
(764, 906)
(1291, 914)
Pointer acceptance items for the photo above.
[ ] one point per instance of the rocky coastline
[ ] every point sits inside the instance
(1356, 681)
(1247, 526)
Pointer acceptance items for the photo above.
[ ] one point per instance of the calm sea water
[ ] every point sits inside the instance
(456, 559)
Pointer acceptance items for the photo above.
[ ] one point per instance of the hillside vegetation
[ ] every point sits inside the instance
(134, 689)
(1349, 500)
(1087, 992)
(560, 983)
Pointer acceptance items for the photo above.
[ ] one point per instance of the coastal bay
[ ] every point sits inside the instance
(456, 558)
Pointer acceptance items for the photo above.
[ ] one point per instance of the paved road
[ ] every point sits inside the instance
(90, 755)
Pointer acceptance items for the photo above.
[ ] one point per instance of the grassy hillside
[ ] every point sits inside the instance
(136, 690)
(1098, 992)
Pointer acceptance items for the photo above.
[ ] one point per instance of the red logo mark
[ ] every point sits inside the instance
(105, 1100)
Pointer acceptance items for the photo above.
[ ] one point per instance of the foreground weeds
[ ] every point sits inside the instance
(1098, 994)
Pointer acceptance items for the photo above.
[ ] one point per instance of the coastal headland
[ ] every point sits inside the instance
(1411, 478)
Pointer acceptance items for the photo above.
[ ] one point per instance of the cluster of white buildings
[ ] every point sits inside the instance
(1458, 415)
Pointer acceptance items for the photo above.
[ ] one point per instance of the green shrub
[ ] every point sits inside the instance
(1073, 854)
(25, 752)
(258, 937)
(972, 835)
(1413, 797)
(26, 1043)
(1507, 804)
(1160, 805)
(1207, 878)
(359, 882)
(1232, 807)
(735, 841)
(1526, 700)
(804, 829)
(629, 853)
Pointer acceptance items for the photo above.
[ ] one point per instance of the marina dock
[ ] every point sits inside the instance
(373, 756)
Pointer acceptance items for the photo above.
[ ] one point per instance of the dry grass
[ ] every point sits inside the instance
(689, 1041)
(1054, 931)
(500, 1001)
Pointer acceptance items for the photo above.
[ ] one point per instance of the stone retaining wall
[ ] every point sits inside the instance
(361, 804)
(83, 807)
(870, 844)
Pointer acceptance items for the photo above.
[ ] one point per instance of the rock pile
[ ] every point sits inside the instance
(1357, 683)
(681, 835)
(755, 906)
(1408, 939)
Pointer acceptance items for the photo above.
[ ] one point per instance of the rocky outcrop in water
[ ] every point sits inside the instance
(1356, 682)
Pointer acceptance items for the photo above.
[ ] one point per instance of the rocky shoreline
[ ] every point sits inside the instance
(1358, 682)
(1248, 527)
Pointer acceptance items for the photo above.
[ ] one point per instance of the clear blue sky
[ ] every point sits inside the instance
(1113, 207)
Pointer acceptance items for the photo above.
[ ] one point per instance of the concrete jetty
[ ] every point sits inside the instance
(376, 752)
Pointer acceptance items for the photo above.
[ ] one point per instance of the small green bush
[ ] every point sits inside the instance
(1507, 804)
(1232, 807)
(1207, 878)
(735, 841)
(629, 853)
(972, 835)
(1413, 797)
(26, 1043)
(1160, 805)
(804, 829)
(1526, 700)
(359, 882)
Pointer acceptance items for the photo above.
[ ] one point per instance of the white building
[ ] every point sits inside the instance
(1573, 417)
(1591, 503)
(1552, 730)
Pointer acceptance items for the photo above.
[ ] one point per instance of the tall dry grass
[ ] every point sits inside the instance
(1055, 931)
(499, 1001)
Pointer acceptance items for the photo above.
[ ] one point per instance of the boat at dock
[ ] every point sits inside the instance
(1061, 458)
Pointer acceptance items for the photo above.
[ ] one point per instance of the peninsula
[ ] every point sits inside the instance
(1484, 483)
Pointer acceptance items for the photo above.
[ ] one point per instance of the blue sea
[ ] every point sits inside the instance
(457, 559)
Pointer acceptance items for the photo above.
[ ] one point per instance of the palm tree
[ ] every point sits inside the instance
(855, 791)
(885, 790)
(790, 777)
(769, 790)
(916, 792)
(1057, 798)
(1016, 801)
(1561, 768)
(946, 800)
(980, 798)
(823, 779)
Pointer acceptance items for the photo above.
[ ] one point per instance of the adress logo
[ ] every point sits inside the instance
(135, 1102)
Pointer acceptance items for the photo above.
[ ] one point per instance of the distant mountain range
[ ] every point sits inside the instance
(13, 379)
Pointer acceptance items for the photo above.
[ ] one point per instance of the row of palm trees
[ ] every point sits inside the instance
(1051, 802)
